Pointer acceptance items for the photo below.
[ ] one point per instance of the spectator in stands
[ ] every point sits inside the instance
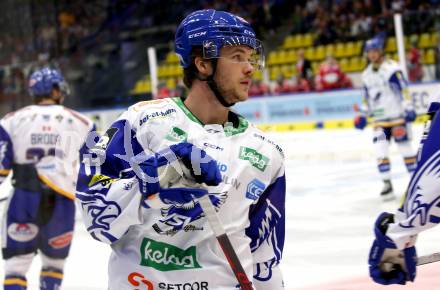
(300, 85)
(304, 71)
(361, 25)
(282, 85)
(330, 76)
(258, 88)
(325, 31)
(415, 69)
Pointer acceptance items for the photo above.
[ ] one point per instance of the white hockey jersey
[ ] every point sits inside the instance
(174, 247)
(385, 91)
(48, 136)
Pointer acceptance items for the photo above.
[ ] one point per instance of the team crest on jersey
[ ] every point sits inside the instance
(423, 205)
(102, 211)
(177, 217)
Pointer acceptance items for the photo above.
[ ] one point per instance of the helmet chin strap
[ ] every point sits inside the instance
(213, 85)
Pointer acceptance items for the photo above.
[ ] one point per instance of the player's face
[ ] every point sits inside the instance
(234, 72)
(373, 55)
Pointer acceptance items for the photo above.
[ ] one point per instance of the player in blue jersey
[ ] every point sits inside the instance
(393, 257)
(136, 196)
(39, 146)
(387, 101)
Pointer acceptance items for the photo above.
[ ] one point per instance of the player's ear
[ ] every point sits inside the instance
(203, 66)
(56, 95)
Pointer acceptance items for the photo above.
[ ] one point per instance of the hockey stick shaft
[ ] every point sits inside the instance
(225, 243)
(432, 258)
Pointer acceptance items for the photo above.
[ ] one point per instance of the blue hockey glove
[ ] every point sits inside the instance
(410, 115)
(202, 167)
(387, 264)
(360, 122)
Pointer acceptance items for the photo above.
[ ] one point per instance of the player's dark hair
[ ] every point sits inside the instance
(38, 99)
(190, 73)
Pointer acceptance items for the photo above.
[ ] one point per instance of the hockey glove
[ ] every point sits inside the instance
(410, 115)
(360, 122)
(389, 265)
(202, 167)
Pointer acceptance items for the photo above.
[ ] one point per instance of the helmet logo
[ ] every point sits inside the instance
(197, 34)
(248, 32)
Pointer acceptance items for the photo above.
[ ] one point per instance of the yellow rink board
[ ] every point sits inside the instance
(329, 124)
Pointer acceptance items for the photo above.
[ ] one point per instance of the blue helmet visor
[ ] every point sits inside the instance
(212, 47)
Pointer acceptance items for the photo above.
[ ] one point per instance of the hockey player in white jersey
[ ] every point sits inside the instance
(393, 257)
(136, 197)
(39, 145)
(387, 101)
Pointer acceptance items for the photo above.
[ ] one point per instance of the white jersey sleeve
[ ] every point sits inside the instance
(107, 189)
(267, 228)
(421, 208)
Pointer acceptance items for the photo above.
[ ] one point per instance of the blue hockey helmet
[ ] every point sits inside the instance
(374, 43)
(43, 81)
(211, 30)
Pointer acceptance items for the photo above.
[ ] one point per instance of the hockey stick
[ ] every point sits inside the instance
(224, 242)
(432, 258)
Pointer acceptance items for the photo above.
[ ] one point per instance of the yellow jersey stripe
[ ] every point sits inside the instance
(56, 188)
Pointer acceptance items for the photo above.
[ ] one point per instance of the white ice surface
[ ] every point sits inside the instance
(332, 201)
